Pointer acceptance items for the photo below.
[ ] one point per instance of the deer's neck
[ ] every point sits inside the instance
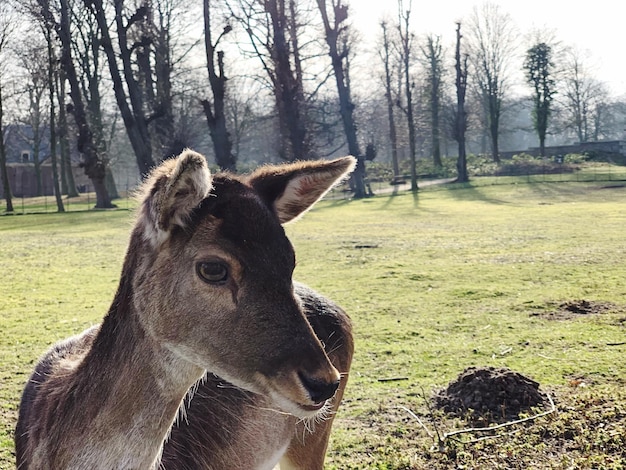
(121, 400)
(144, 388)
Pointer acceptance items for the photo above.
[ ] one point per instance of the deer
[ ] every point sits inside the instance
(222, 426)
(206, 290)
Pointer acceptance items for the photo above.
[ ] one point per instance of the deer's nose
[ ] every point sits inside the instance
(318, 390)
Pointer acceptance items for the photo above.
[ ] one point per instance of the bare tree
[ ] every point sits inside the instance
(131, 105)
(7, 27)
(288, 77)
(601, 114)
(160, 54)
(68, 185)
(52, 69)
(337, 38)
(492, 47)
(146, 47)
(41, 69)
(432, 60)
(88, 52)
(34, 85)
(327, 123)
(241, 109)
(583, 98)
(57, 18)
(386, 56)
(273, 27)
(94, 165)
(406, 57)
(215, 112)
(460, 115)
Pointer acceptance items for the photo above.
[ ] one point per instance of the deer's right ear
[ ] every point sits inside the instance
(291, 189)
(171, 193)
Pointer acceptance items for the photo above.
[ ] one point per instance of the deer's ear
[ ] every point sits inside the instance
(292, 189)
(171, 193)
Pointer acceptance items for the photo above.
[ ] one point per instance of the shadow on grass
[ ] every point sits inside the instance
(468, 192)
(338, 202)
(416, 199)
(549, 192)
(461, 191)
(390, 196)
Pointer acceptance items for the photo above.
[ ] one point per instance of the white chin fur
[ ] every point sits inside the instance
(288, 406)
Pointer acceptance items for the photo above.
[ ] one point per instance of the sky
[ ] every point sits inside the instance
(596, 27)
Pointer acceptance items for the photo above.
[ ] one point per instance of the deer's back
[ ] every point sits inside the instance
(45, 381)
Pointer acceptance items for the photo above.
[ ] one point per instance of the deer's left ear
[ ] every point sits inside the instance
(171, 193)
(292, 189)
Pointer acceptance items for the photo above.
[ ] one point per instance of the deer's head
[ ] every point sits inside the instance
(213, 283)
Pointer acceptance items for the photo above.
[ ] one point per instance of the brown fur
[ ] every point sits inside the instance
(107, 398)
(223, 426)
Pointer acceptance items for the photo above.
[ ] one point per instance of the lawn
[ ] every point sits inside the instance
(434, 282)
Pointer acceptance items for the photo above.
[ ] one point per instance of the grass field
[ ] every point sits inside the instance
(434, 283)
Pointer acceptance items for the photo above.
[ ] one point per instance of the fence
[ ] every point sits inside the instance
(86, 201)
(588, 173)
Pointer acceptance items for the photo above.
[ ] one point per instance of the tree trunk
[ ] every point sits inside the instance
(461, 115)
(95, 167)
(53, 156)
(222, 146)
(461, 164)
(109, 182)
(36, 142)
(53, 137)
(216, 115)
(393, 139)
(134, 120)
(405, 38)
(62, 164)
(494, 127)
(297, 61)
(169, 142)
(346, 107)
(433, 63)
(542, 112)
(287, 90)
(412, 137)
(6, 187)
(435, 128)
(68, 184)
(542, 127)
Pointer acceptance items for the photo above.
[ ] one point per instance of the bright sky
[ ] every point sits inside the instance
(597, 26)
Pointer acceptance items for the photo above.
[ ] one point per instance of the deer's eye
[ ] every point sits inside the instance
(212, 272)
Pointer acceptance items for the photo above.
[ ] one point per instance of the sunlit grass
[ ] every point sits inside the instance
(434, 283)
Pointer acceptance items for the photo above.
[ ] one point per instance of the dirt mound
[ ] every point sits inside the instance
(489, 394)
(576, 308)
(585, 307)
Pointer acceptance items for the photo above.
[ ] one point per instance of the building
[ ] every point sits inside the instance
(21, 157)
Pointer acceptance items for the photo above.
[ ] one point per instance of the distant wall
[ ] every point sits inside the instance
(613, 146)
(23, 182)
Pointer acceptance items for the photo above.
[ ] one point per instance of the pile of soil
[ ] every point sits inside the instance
(575, 308)
(585, 307)
(489, 394)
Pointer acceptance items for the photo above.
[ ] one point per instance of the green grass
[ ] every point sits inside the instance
(434, 283)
